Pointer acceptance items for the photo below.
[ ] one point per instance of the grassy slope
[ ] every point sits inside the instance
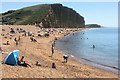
(28, 15)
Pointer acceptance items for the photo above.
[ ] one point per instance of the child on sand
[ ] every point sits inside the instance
(37, 63)
(53, 65)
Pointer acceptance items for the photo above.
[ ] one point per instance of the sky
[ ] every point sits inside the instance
(102, 13)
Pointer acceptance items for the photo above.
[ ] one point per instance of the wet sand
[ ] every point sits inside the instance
(41, 51)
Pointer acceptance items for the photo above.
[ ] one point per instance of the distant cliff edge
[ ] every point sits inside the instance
(93, 26)
(45, 15)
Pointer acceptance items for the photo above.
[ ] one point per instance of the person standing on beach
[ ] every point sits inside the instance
(15, 39)
(54, 43)
(7, 43)
(25, 34)
(1, 49)
(52, 50)
(55, 38)
(16, 42)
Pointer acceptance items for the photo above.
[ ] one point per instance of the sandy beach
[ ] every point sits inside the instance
(41, 51)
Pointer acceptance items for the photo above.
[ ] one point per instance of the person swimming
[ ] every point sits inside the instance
(93, 46)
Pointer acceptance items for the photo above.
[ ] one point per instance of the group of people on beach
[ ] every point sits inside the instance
(65, 56)
(21, 62)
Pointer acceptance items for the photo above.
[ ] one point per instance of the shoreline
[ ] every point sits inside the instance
(97, 65)
(77, 60)
(86, 61)
(41, 51)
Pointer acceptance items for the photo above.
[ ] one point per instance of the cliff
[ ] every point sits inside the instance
(45, 15)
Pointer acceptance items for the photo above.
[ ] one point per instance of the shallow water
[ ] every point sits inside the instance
(80, 45)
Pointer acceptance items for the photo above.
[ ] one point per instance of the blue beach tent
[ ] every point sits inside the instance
(11, 58)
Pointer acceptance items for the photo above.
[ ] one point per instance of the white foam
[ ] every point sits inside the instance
(71, 55)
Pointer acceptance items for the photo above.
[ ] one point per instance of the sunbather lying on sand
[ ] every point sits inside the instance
(34, 40)
(7, 43)
(22, 63)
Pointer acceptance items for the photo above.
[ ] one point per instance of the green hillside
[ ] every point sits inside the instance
(48, 15)
(28, 15)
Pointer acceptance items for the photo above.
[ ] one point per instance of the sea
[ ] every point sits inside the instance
(79, 45)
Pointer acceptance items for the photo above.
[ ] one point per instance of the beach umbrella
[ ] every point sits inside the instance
(58, 31)
(11, 58)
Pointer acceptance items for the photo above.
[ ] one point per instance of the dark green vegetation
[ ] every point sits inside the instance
(10, 11)
(92, 26)
(45, 15)
(27, 15)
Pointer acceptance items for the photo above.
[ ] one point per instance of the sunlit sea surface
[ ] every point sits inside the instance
(80, 45)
